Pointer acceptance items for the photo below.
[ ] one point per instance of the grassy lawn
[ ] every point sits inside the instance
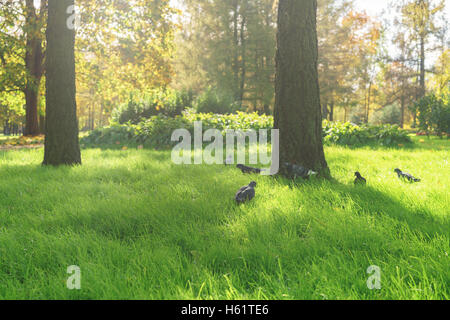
(140, 227)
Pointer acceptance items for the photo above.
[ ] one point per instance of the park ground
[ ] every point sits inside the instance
(140, 227)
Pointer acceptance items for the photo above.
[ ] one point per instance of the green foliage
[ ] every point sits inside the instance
(158, 102)
(157, 131)
(388, 115)
(353, 135)
(433, 114)
(213, 101)
(115, 134)
(235, 121)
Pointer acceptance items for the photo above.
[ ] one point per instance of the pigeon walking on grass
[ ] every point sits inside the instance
(246, 193)
(359, 179)
(296, 171)
(246, 169)
(405, 175)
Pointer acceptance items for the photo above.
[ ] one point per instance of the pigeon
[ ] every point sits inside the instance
(359, 179)
(405, 175)
(246, 169)
(296, 171)
(246, 193)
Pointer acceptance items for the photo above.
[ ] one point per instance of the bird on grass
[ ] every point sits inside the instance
(296, 171)
(359, 179)
(406, 176)
(246, 169)
(246, 193)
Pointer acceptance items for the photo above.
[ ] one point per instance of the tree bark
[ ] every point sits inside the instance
(331, 113)
(61, 140)
(368, 103)
(422, 68)
(298, 113)
(34, 58)
(243, 63)
(325, 111)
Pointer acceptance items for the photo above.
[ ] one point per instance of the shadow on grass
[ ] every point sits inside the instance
(374, 202)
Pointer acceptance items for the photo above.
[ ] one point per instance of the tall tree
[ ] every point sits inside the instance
(34, 61)
(22, 25)
(297, 99)
(229, 45)
(61, 140)
(420, 17)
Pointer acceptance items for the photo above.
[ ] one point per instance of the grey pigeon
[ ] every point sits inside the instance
(246, 169)
(246, 193)
(359, 179)
(407, 176)
(296, 171)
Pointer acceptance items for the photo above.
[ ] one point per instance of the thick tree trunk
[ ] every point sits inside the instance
(34, 63)
(298, 113)
(61, 140)
(31, 112)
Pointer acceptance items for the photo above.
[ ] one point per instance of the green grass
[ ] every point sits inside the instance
(140, 227)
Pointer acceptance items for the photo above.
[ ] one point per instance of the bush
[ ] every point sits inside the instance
(212, 101)
(236, 121)
(158, 102)
(157, 131)
(352, 135)
(388, 115)
(433, 114)
(113, 135)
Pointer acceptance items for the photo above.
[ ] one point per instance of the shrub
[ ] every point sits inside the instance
(388, 115)
(351, 134)
(115, 134)
(158, 102)
(433, 114)
(157, 131)
(236, 121)
(212, 101)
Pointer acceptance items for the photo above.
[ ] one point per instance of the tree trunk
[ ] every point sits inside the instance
(243, 63)
(236, 50)
(325, 111)
(422, 68)
(42, 124)
(402, 103)
(298, 113)
(368, 103)
(331, 113)
(61, 140)
(34, 63)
